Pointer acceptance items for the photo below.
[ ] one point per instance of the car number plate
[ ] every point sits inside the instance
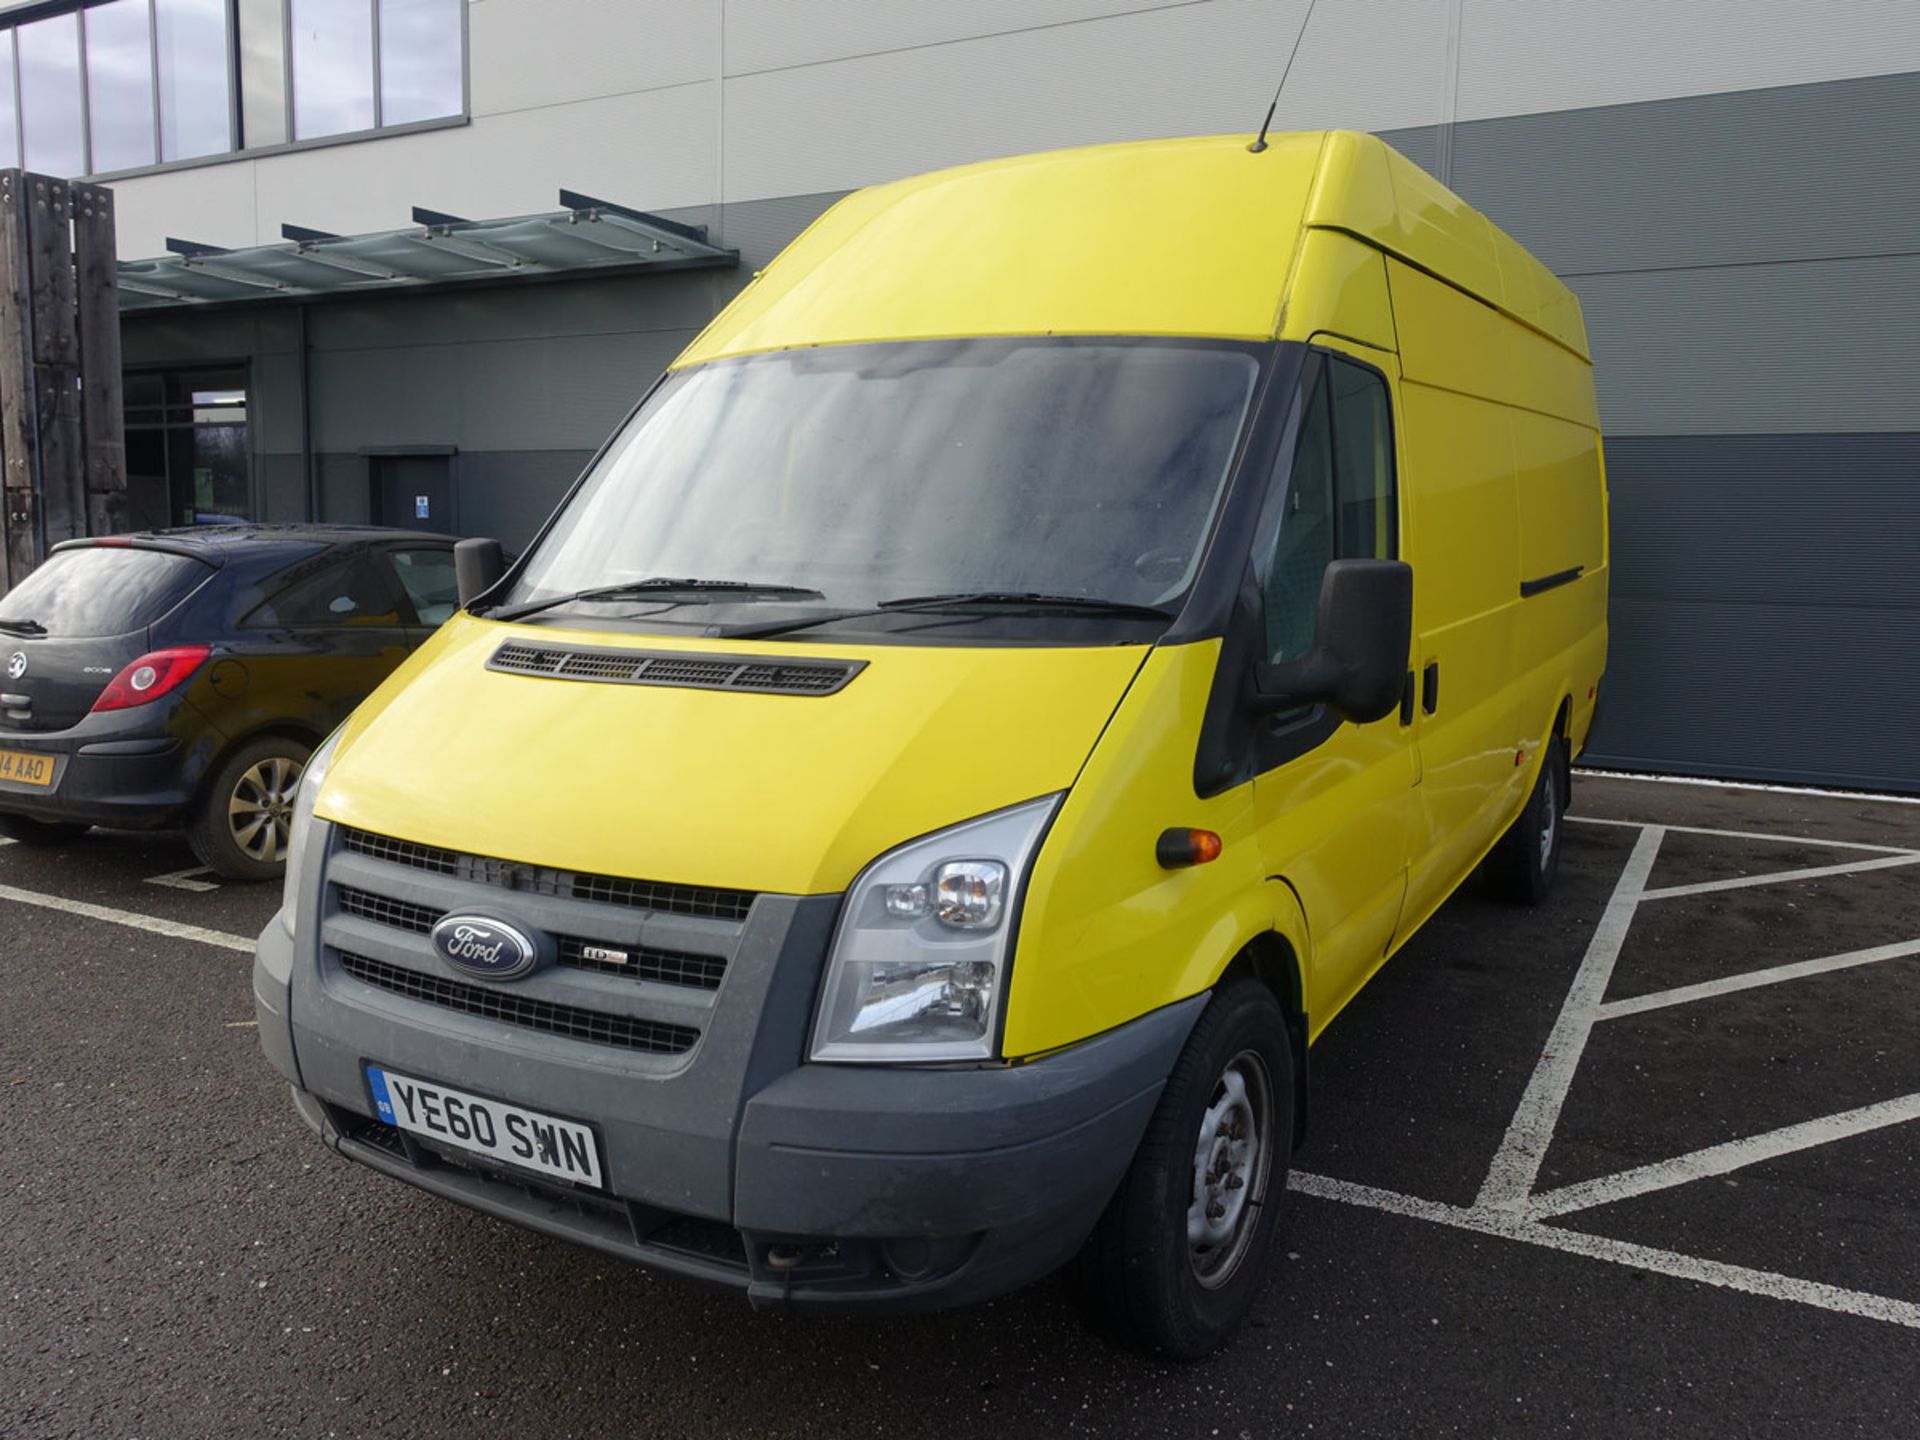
(23, 767)
(492, 1128)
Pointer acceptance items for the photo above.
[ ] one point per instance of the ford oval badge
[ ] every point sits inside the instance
(480, 945)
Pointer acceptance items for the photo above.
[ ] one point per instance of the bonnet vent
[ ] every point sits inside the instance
(686, 670)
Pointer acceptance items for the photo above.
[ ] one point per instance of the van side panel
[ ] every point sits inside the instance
(1107, 934)
(1464, 543)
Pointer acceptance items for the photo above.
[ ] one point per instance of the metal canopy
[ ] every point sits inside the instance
(589, 236)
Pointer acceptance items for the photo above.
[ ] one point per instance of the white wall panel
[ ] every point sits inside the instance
(1522, 56)
(544, 52)
(653, 150)
(1194, 69)
(774, 34)
(212, 204)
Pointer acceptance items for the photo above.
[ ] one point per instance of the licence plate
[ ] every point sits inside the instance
(492, 1128)
(23, 767)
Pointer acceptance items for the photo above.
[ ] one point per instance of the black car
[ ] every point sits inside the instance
(181, 678)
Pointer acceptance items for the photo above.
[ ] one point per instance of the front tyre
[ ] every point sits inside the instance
(242, 827)
(1180, 1255)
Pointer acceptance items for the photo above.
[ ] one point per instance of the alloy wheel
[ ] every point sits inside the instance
(260, 810)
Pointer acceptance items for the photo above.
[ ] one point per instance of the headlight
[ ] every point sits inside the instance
(919, 961)
(311, 779)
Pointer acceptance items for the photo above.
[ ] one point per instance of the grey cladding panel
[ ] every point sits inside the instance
(1816, 694)
(1788, 519)
(1812, 347)
(676, 300)
(1797, 172)
(508, 494)
(280, 488)
(558, 393)
(1766, 608)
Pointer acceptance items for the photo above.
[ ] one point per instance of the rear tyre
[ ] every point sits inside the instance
(1183, 1249)
(241, 828)
(41, 832)
(1524, 865)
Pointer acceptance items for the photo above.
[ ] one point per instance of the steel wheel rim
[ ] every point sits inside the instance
(1232, 1158)
(1551, 820)
(260, 810)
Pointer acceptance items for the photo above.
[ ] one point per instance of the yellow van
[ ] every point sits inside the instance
(900, 825)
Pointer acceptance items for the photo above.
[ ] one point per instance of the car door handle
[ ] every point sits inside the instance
(1430, 687)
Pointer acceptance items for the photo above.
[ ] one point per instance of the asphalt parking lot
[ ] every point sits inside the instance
(1645, 1161)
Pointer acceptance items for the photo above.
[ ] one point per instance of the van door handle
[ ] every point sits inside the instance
(1406, 700)
(1430, 687)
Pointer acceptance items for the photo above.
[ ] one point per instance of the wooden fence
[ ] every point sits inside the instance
(62, 434)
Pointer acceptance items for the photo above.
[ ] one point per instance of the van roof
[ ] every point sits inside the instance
(1156, 237)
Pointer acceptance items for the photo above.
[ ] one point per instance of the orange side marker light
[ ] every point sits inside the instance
(1178, 848)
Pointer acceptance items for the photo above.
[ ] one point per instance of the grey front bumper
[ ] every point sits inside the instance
(864, 1187)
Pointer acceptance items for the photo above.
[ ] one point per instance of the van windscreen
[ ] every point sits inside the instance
(868, 473)
(99, 590)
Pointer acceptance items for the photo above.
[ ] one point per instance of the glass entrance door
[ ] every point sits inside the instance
(187, 448)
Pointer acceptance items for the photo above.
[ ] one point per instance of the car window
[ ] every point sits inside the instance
(1339, 501)
(101, 590)
(429, 580)
(1363, 463)
(1302, 545)
(335, 592)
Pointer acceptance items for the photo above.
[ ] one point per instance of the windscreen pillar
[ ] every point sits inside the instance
(62, 435)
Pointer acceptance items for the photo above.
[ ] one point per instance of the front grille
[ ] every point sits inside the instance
(659, 896)
(654, 1037)
(381, 911)
(669, 967)
(644, 962)
(677, 669)
(403, 852)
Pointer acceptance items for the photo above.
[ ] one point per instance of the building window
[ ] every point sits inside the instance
(120, 108)
(194, 61)
(116, 85)
(53, 125)
(332, 67)
(187, 448)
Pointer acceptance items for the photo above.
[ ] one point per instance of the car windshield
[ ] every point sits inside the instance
(870, 473)
(100, 590)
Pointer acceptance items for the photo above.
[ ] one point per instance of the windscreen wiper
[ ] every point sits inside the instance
(1021, 602)
(23, 627)
(661, 586)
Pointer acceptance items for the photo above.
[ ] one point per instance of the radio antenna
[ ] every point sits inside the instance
(1260, 140)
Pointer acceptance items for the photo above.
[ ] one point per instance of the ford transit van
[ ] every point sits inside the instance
(901, 825)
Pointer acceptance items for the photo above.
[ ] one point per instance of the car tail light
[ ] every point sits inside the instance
(151, 676)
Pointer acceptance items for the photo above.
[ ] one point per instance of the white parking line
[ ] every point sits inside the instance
(1507, 1204)
(1621, 1252)
(1865, 797)
(1510, 1178)
(184, 880)
(1723, 1159)
(1747, 835)
(132, 919)
(1751, 979)
(1780, 877)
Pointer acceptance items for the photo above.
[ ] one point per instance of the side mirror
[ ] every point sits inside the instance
(1361, 637)
(477, 568)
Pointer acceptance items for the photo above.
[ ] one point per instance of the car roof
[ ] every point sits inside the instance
(219, 544)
